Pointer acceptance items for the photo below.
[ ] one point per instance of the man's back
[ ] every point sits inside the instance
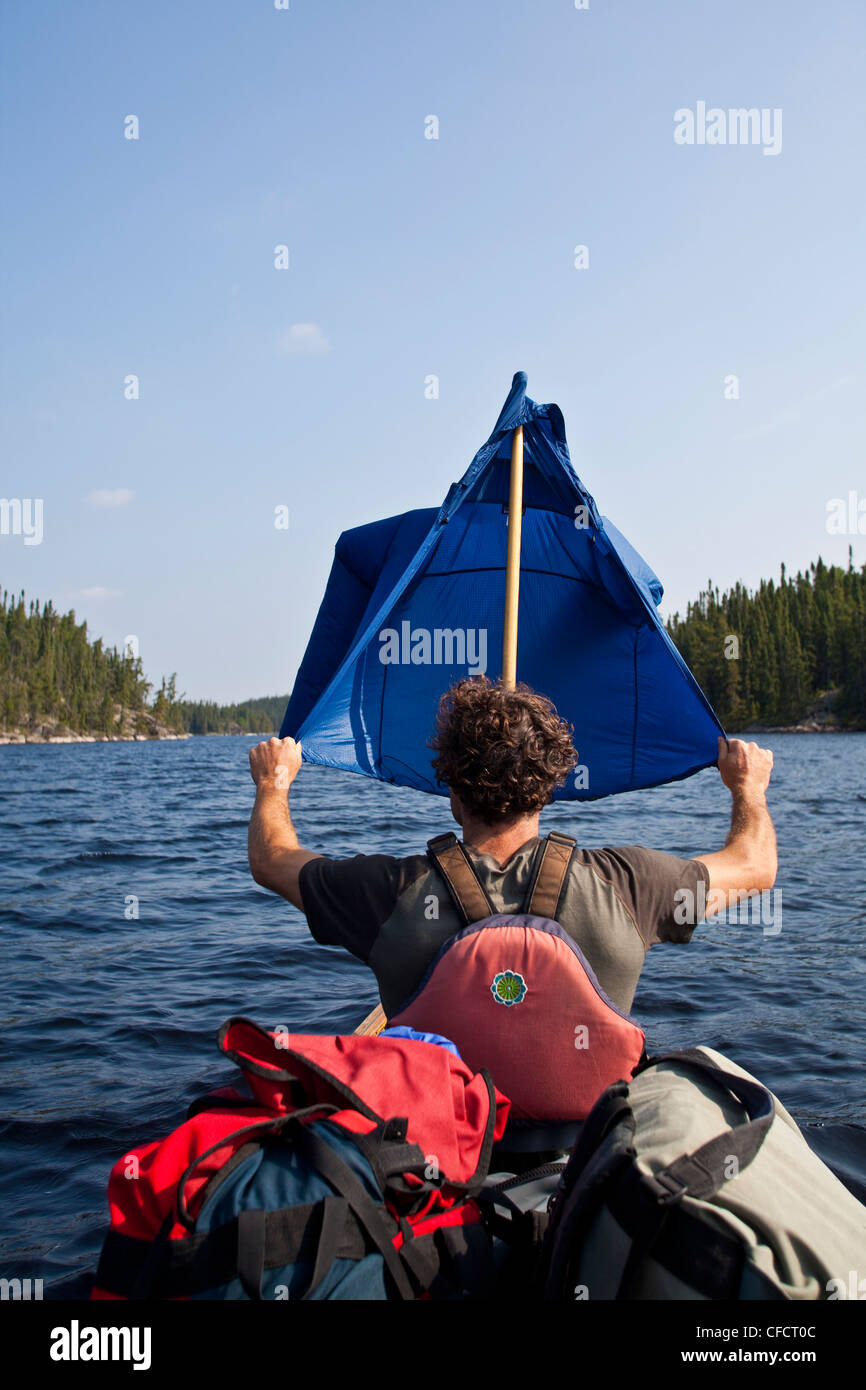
(502, 753)
(395, 914)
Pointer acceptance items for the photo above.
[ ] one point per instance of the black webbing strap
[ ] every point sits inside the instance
(551, 869)
(166, 1269)
(516, 1213)
(469, 895)
(373, 1217)
(702, 1173)
(390, 1155)
(524, 1227)
(210, 1102)
(648, 1208)
(251, 1250)
(611, 1110)
(705, 1258)
(147, 1270)
(421, 1257)
(603, 1150)
(466, 1259)
(473, 1186)
(335, 1213)
(270, 1125)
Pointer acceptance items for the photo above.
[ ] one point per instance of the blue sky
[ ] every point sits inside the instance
(409, 257)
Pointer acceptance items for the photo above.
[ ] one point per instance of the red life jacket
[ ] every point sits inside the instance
(518, 996)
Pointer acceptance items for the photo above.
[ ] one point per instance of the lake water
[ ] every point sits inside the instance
(108, 1024)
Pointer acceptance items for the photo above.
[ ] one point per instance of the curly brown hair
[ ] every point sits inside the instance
(502, 751)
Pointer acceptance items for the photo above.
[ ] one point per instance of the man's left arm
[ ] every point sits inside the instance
(275, 855)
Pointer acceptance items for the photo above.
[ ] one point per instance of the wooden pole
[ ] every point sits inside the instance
(374, 1022)
(512, 563)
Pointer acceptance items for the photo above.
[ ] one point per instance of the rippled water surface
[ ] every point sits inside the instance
(108, 1024)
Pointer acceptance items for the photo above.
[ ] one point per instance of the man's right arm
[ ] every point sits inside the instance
(276, 858)
(748, 862)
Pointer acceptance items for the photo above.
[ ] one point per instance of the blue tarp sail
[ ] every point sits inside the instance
(417, 601)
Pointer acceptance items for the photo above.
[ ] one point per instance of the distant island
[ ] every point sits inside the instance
(57, 686)
(790, 656)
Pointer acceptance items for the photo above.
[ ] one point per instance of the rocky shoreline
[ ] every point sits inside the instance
(17, 736)
(137, 726)
(58, 734)
(819, 718)
(811, 728)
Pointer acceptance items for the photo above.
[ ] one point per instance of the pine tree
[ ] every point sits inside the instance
(798, 640)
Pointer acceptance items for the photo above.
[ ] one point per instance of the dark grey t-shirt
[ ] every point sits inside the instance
(395, 914)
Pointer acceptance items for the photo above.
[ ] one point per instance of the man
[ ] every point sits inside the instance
(501, 753)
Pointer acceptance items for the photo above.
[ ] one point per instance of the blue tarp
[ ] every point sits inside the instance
(417, 601)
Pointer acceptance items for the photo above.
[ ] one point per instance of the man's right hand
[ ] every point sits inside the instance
(744, 767)
(276, 858)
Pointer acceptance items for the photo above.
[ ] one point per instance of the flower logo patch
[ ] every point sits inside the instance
(508, 988)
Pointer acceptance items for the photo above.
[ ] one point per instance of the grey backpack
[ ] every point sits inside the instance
(692, 1181)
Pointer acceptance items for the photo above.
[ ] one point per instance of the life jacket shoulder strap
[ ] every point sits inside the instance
(469, 895)
(455, 866)
(551, 870)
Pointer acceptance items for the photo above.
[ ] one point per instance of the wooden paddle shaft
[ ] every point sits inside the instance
(374, 1022)
(512, 563)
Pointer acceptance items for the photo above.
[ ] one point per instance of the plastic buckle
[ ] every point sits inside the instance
(666, 1188)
